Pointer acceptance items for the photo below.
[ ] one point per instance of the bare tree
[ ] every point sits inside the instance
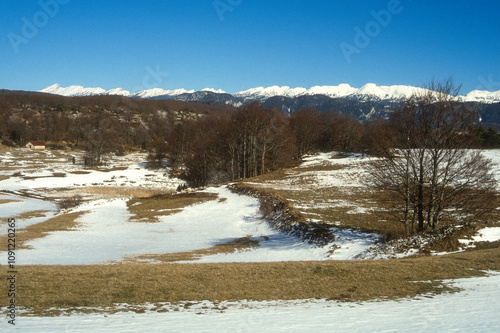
(100, 138)
(157, 154)
(429, 167)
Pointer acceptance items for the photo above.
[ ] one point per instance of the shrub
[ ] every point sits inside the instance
(70, 202)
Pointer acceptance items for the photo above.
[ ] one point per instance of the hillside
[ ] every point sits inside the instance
(367, 103)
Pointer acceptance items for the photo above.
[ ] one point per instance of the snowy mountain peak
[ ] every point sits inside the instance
(395, 92)
(118, 92)
(369, 90)
(56, 89)
(482, 96)
(155, 92)
(332, 91)
(218, 91)
(262, 93)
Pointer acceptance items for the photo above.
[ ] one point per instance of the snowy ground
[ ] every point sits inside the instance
(105, 234)
(474, 309)
(39, 171)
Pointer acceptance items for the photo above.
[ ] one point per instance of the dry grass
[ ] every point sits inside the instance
(32, 214)
(358, 209)
(113, 191)
(63, 222)
(342, 206)
(148, 209)
(4, 177)
(452, 242)
(6, 201)
(240, 244)
(44, 287)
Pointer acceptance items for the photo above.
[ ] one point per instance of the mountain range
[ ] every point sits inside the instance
(364, 103)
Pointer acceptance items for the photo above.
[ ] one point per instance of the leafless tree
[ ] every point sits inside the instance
(429, 167)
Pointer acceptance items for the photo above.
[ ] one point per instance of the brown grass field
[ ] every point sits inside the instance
(349, 207)
(64, 287)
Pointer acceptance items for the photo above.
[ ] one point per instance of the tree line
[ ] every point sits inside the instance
(251, 141)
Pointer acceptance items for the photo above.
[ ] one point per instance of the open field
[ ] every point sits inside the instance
(330, 189)
(327, 189)
(66, 287)
(125, 241)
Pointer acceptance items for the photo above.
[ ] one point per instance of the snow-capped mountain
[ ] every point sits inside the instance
(262, 93)
(482, 96)
(118, 92)
(72, 91)
(158, 92)
(365, 103)
(368, 92)
(218, 91)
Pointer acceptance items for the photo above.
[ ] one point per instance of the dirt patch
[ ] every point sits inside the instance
(113, 191)
(101, 169)
(320, 168)
(54, 175)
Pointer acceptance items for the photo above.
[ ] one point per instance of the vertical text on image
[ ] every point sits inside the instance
(11, 277)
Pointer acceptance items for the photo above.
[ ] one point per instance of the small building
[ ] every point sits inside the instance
(35, 145)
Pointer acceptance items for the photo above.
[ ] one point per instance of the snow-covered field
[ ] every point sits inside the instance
(474, 309)
(105, 233)
(39, 171)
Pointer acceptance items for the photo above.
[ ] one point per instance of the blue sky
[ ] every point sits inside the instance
(235, 45)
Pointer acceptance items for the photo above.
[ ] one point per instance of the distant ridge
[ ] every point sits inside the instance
(368, 92)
